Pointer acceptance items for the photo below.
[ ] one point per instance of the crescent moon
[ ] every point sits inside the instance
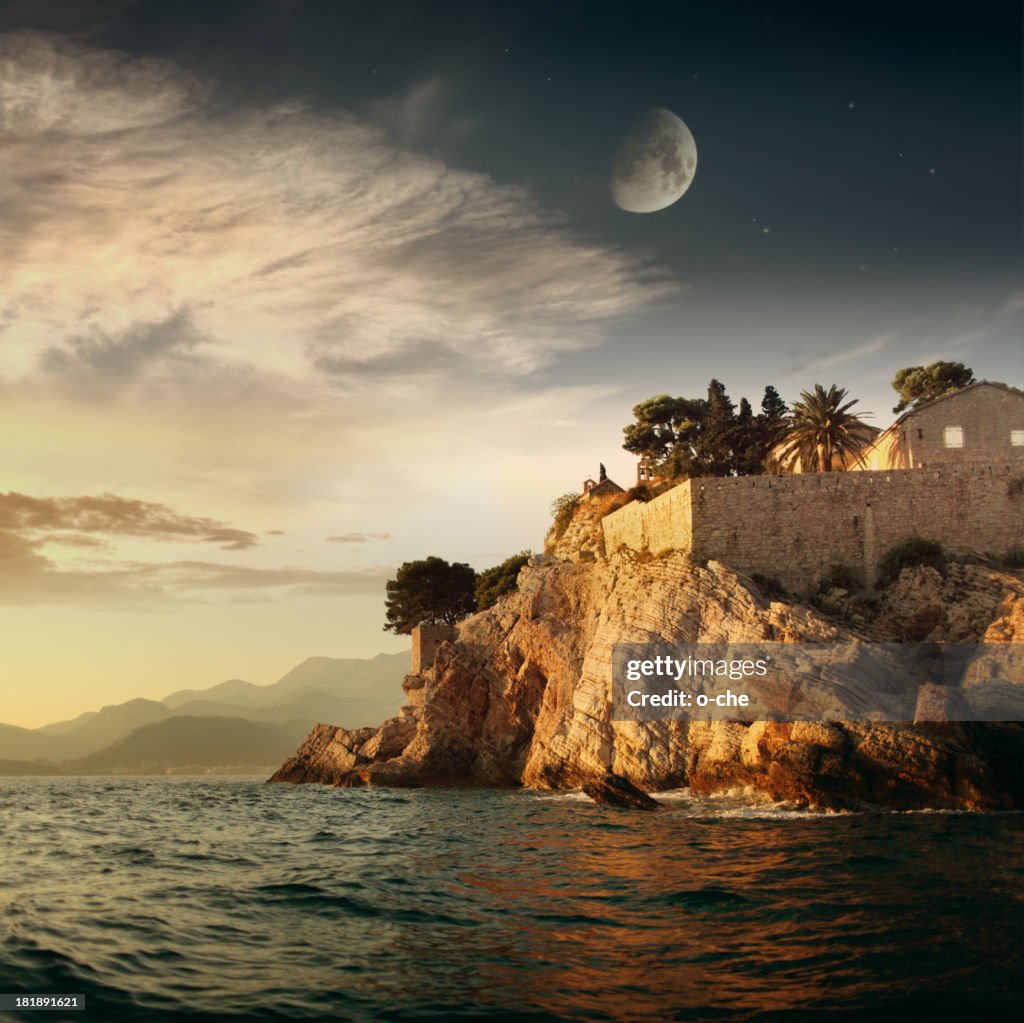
(654, 164)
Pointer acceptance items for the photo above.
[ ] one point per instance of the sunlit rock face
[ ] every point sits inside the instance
(522, 696)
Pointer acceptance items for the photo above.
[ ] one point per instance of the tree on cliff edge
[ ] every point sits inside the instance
(429, 592)
(918, 384)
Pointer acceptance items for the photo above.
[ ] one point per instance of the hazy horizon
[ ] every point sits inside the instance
(291, 299)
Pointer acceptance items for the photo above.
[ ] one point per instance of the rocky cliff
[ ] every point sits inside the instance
(522, 696)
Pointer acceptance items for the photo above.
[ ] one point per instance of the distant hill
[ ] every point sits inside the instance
(376, 682)
(311, 705)
(106, 726)
(193, 741)
(235, 691)
(24, 744)
(349, 692)
(85, 734)
(341, 691)
(361, 677)
(63, 727)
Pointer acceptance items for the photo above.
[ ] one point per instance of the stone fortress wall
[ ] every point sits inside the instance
(793, 528)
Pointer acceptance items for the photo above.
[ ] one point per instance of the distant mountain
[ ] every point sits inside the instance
(359, 677)
(340, 691)
(25, 744)
(312, 706)
(193, 741)
(63, 727)
(375, 680)
(349, 692)
(235, 692)
(106, 726)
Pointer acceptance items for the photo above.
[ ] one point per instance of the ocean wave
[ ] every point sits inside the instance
(308, 904)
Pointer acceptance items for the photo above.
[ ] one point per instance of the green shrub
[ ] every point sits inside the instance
(839, 577)
(1014, 558)
(910, 554)
(494, 583)
(563, 508)
(770, 587)
(664, 486)
(641, 492)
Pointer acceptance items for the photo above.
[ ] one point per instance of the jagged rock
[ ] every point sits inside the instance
(614, 790)
(390, 739)
(1008, 624)
(413, 688)
(522, 696)
(328, 754)
(956, 607)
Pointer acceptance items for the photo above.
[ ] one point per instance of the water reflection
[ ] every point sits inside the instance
(704, 916)
(371, 906)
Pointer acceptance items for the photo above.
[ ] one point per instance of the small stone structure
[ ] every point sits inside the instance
(602, 487)
(425, 641)
(793, 528)
(646, 472)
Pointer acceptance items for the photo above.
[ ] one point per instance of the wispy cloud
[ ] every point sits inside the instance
(271, 307)
(861, 351)
(143, 223)
(29, 576)
(191, 576)
(51, 519)
(97, 359)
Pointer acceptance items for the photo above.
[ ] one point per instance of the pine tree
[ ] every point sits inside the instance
(718, 432)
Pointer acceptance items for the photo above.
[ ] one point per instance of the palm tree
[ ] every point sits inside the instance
(820, 430)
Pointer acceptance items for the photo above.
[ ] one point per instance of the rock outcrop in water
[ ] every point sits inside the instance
(614, 790)
(522, 696)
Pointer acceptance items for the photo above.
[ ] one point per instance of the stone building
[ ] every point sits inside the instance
(602, 487)
(951, 471)
(981, 423)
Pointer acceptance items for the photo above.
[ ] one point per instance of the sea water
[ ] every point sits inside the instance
(228, 899)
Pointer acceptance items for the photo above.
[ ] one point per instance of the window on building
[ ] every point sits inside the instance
(954, 436)
(1017, 438)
